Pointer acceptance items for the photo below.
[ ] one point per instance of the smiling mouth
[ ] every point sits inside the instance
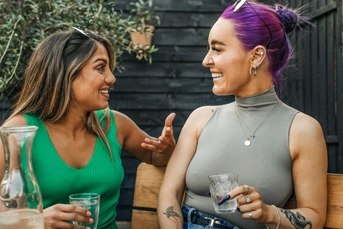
(104, 92)
(217, 75)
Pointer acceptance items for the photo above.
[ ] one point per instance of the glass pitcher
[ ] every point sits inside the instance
(20, 197)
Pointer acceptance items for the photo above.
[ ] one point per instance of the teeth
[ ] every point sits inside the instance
(104, 91)
(217, 75)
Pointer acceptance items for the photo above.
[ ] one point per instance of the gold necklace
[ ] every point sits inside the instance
(247, 142)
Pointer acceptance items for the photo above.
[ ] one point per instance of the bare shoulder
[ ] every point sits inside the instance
(18, 120)
(121, 119)
(118, 115)
(204, 112)
(199, 117)
(304, 124)
(306, 135)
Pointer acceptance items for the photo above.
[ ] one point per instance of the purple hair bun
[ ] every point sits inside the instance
(288, 17)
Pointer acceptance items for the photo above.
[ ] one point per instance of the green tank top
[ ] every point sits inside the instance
(57, 180)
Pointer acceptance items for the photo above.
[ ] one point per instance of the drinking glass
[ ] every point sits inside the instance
(220, 186)
(90, 201)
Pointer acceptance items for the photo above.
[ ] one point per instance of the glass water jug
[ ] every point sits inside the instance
(20, 197)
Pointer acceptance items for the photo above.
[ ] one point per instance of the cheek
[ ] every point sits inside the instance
(75, 85)
(74, 91)
(78, 88)
(236, 66)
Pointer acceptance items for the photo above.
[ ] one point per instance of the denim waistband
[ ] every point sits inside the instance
(189, 212)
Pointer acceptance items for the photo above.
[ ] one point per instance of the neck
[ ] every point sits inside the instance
(70, 123)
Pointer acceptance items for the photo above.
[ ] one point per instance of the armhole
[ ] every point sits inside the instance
(113, 130)
(289, 133)
(213, 112)
(113, 142)
(113, 122)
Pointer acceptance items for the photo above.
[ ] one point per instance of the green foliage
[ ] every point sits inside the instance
(143, 12)
(24, 23)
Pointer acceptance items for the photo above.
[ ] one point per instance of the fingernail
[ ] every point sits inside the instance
(91, 220)
(89, 213)
(239, 210)
(226, 198)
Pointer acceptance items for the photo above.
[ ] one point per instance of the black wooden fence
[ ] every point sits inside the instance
(315, 82)
(177, 82)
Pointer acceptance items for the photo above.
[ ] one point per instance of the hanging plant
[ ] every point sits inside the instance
(143, 13)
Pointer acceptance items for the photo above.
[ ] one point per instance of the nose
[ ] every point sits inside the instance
(207, 61)
(110, 78)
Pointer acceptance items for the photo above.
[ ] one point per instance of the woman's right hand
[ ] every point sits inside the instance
(58, 215)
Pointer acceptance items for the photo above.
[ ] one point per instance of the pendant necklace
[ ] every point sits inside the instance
(247, 142)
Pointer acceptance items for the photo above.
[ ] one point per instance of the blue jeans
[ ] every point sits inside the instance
(189, 213)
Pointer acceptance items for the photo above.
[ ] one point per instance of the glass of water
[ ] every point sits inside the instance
(90, 201)
(220, 186)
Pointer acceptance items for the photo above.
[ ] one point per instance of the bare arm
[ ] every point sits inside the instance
(137, 143)
(309, 155)
(173, 185)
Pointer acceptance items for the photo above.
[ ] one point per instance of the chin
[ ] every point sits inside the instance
(102, 106)
(218, 92)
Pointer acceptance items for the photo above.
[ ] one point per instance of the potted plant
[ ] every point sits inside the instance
(143, 13)
(25, 23)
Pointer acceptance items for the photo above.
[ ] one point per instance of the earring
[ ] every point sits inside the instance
(255, 71)
(260, 52)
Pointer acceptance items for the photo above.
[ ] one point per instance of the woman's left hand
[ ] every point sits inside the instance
(164, 144)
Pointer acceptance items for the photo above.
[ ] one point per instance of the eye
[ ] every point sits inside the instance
(216, 49)
(101, 68)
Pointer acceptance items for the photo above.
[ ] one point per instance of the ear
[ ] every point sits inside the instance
(258, 54)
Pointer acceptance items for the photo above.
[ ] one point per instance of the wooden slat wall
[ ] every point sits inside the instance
(176, 81)
(314, 85)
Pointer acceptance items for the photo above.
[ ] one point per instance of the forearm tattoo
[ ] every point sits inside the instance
(297, 219)
(171, 214)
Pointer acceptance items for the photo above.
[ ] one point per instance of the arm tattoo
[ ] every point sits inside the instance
(297, 219)
(171, 214)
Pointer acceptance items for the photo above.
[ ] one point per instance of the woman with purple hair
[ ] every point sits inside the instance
(276, 150)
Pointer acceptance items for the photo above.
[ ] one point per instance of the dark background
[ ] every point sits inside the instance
(177, 82)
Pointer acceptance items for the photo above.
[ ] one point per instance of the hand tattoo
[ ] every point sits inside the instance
(297, 219)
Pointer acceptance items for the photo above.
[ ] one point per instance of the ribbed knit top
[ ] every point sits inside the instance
(57, 180)
(265, 164)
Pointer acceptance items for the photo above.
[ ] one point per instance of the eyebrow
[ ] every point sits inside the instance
(216, 42)
(100, 59)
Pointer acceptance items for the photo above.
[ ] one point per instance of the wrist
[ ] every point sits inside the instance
(159, 159)
(278, 218)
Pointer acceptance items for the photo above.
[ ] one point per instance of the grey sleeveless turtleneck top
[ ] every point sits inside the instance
(265, 164)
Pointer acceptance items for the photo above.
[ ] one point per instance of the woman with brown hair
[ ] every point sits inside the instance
(79, 140)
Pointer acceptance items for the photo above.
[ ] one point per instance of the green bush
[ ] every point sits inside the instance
(24, 23)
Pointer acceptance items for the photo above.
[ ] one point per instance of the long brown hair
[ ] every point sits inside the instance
(53, 66)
